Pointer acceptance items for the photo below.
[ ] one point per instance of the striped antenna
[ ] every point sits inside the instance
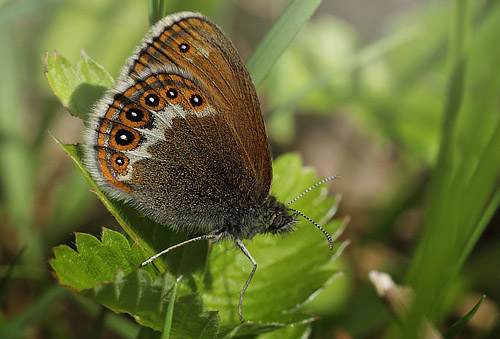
(330, 241)
(312, 187)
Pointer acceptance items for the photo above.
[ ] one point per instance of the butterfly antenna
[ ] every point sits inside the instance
(310, 188)
(330, 241)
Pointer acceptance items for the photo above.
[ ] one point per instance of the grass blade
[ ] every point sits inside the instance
(455, 329)
(6, 277)
(279, 37)
(157, 10)
(170, 314)
(464, 188)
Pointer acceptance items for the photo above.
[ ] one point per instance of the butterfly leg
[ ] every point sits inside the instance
(202, 237)
(254, 263)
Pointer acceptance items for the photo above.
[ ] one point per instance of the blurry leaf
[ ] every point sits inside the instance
(464, 191)
(107, 30)
(279, 37)
(11, 12)
(320, 80)
(76, 87)
(16, 325)
(70, 202)
(457, 327)
(6, 277)
(18, 155)
(399, 98)
(123, 327)
(305, 76)
(157, 10)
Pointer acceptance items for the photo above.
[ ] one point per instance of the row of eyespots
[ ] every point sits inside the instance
(152, 100)
(136, 116)
(126, 138)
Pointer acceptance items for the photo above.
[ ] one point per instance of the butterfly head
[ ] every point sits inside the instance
(278, 218)
(271, 216)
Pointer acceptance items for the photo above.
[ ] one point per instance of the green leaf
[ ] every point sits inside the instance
(147, 300)
(458, 326)
(300, 331)
(76, 87)
(95, 261)
(107, 273)
(280, 260)
(277, 39)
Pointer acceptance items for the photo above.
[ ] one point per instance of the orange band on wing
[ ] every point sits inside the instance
(132, 90)
(101, 139)
(144, 60)
(107, 173)
(186, 25)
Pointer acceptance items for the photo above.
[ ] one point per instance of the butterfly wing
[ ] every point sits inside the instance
(181, 134)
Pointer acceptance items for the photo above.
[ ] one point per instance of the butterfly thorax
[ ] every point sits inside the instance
(270, 217)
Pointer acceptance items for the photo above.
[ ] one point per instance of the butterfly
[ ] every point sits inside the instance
(181, 137)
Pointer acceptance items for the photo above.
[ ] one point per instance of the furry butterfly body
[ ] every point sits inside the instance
(181, 135)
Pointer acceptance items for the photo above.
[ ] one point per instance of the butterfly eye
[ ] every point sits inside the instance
(171, 93)
(183, 48)
(135, 114)
(152, 100)
(196, 100)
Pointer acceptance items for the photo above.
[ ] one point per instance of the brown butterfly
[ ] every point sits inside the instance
(181, 137)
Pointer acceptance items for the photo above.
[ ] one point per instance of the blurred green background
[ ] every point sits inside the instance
(400, 97)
